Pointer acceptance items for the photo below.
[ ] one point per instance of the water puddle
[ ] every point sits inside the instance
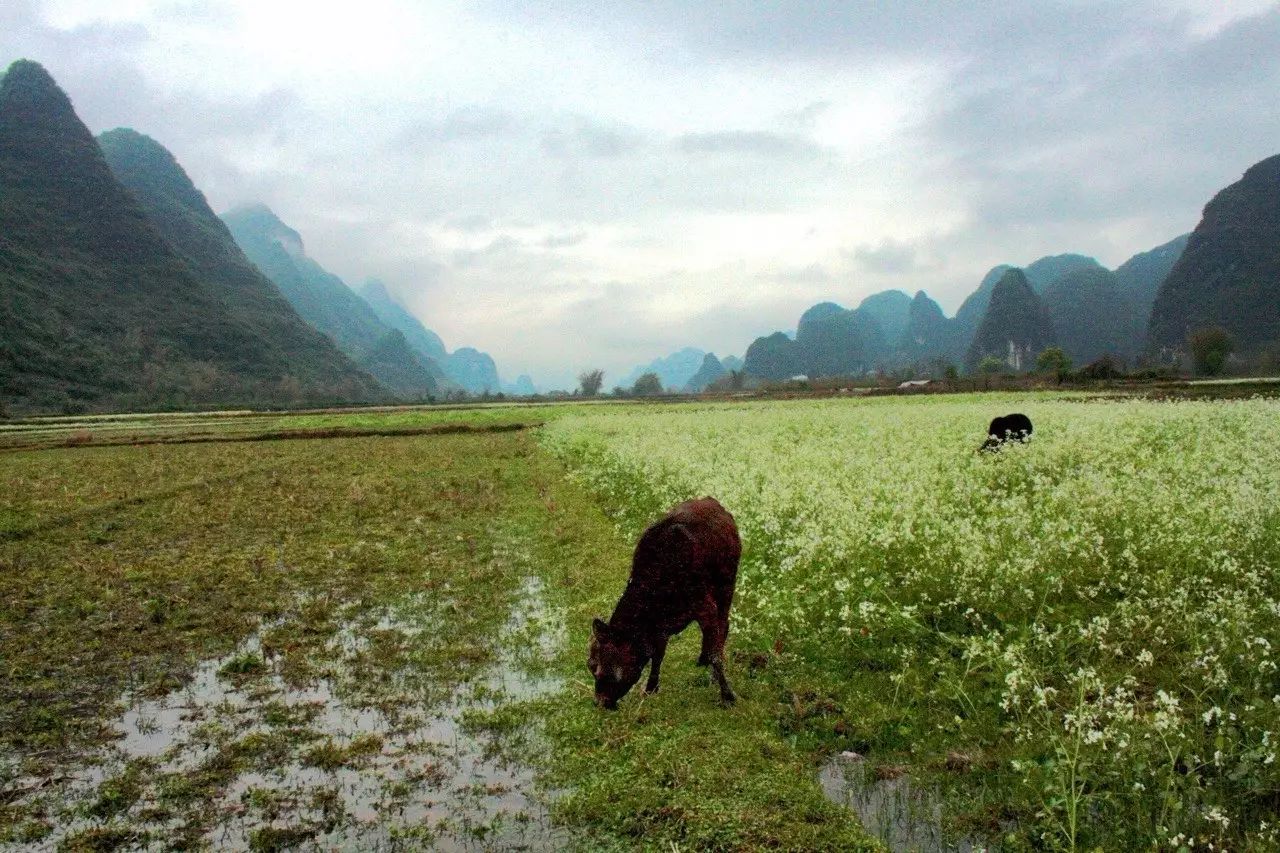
(353, 756)
(906, 817)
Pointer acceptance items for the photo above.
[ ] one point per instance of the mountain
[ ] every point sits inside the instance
(970, 313)
(1016, 326)
(1229, 272)
(892, 309)
(709, 372)
(325, 301)
(394, 315)
(928, 333)
(1045, 271)
(834, 341)
(183, 217)
(775, 357)
(473, 370)
(674, 370)
(1140, 277)
(731, 362)
(1093, 316)
(522, 387)
(97, 310)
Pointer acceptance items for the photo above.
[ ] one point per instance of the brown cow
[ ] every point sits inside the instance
(683, 571)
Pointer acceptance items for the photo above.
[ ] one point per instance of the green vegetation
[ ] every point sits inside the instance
(1054, 362)
(1014, 327)
(1210, 348)
(1227, 275)
(647, 385)
(1073, 647)
(98, 310)
(327, 303)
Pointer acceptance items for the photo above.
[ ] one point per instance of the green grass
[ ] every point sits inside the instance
(123, 567)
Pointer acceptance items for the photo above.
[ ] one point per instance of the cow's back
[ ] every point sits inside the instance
(693, 548)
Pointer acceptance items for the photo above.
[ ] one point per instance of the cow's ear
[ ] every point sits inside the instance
(599, 628)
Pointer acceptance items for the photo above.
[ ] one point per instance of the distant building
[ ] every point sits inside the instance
(912, 384)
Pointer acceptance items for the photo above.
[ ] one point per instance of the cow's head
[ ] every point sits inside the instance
(616, 660)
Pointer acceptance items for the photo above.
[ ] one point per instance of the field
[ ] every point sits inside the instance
(372, 635)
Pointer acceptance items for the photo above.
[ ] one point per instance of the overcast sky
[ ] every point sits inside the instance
(572, 183)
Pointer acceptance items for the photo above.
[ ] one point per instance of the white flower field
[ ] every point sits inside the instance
(1084, 624)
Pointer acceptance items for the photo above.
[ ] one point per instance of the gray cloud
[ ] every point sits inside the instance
(756, 143)
(890, 257)
(683, 174)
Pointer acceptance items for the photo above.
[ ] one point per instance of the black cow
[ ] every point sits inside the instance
(1015, 427)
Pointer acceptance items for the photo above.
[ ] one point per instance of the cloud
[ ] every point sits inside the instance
(573, 183)
(889, 258)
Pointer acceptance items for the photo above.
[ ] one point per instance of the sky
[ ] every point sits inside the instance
(573, 184)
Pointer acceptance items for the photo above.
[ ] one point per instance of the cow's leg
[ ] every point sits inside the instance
(708, 623)
(655, 666)
(715, 629)
(717, 660)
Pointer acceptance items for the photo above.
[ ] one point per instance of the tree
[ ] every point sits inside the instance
(988, 367)
(647, 385)
(590, 382)
(1210, 347)
(1053, 360)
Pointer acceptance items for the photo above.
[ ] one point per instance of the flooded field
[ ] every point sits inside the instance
(251, 753)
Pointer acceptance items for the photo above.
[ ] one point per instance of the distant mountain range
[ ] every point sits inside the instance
(1066, 300)
(109, 300)
(121, 289)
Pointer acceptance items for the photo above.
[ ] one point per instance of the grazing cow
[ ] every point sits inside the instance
(1015, 427)
(683, 571)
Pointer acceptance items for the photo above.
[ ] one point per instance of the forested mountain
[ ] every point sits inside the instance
(97, 310)
(328, 304)
(1016, 326)
(1092, 316)
(1229, 273)
(394, 315)
(774, 357)
(183, 217)
(1140, 277)
(928, 333)
(834, 341)
(709, 372)
(892, 310)
(970, 313)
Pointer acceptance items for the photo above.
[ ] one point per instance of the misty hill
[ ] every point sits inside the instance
(709, 372)
(328, 304)
(775, 357)
(1016, 326)
(834, 341)
(1229, 273)
(1045, 271)
(522, 387)
(731, 362)
(1093, 316)
(892, 309)
(1140, 277)
(928, 333)
(394, 315)
(469, 368)
(473, 370)
(99, 311)
(183, 217)
(674, 370)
